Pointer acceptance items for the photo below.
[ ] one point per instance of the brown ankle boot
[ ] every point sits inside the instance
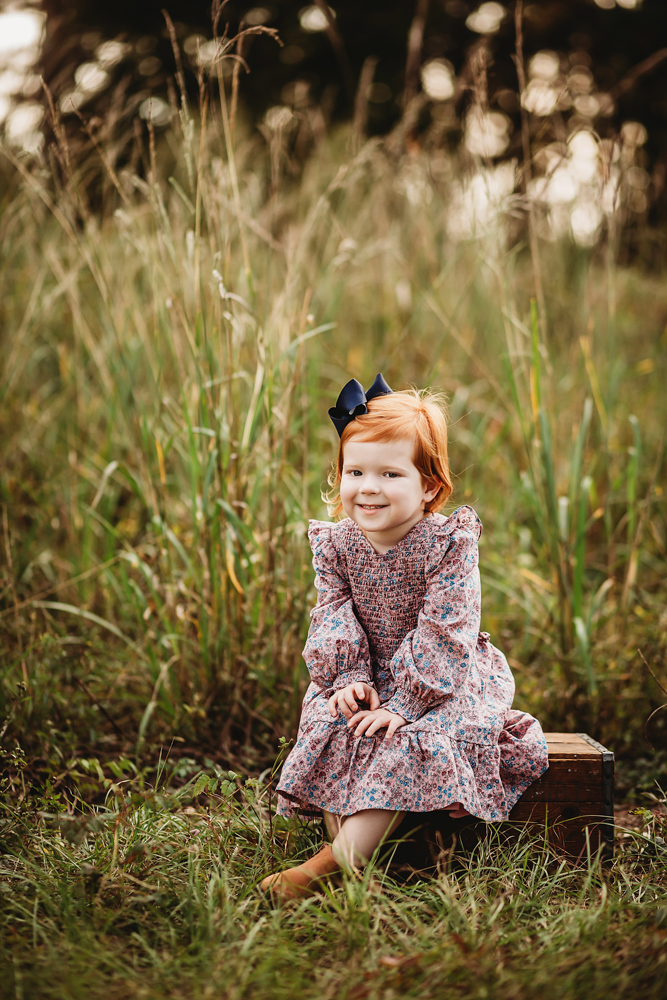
(294, 883)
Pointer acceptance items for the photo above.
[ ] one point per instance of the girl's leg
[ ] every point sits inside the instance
(333, 824)
(357, 837)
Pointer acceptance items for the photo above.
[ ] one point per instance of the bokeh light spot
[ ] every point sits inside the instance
(437, 78)
(486, 20)
(634, 133)
(486, 133)
(192, 44)
(90, 77)
(22, 126)
(378, 93)
(20, 29)
(539, 98)
(291, 55)
(585, 221)
(155, 110)
(278, 117)
(544, 65)
(149, 66)
(313, 19)
(258, 15)
(109, 54)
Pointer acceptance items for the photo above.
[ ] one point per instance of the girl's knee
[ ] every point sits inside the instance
(362, 834)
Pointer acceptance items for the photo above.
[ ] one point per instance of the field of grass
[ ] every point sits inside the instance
(172, 336)
(153, 895)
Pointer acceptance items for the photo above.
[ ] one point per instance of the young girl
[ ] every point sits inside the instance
(409, 706)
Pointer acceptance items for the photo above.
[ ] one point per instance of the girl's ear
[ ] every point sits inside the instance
(431, 489)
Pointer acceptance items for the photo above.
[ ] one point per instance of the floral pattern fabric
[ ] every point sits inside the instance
(407, 622)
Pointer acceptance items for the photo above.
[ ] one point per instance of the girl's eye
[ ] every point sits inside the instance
(354, 472)
(393, 475)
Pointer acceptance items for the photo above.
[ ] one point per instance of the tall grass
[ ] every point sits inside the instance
(167, 363)
(152, 894)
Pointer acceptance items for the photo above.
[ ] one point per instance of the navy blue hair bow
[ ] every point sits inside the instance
(352, 401)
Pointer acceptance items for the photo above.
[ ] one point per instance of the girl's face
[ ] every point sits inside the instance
(382, 490)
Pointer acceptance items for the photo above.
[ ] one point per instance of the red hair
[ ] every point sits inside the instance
(412, 414)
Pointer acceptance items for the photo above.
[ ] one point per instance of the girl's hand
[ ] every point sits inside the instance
(346, 699)
(370, 722)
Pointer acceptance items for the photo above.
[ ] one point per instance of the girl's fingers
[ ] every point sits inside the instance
(391, 728)
(367, 719)
(344, 701)
(350, 703)
(370, 722)
(376, 722)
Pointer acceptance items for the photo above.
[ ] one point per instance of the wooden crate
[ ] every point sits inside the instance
(574, 798)
(575, 795)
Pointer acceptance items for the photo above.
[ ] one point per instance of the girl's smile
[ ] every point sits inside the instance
(382, 490)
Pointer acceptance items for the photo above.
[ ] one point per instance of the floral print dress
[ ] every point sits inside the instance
(407, 622)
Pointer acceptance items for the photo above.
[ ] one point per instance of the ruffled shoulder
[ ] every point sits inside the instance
(327, 537)
(464, 517)
(462, 526)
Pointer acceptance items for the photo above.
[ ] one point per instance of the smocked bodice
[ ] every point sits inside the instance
(388, 588)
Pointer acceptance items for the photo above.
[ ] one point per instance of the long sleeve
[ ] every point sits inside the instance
(434, 659)
(336, 651)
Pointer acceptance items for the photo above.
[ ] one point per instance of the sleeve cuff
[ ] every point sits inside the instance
(346, 677)
(402, 703)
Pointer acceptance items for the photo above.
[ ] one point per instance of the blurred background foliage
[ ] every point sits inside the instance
(601, 62)
(202, 236)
